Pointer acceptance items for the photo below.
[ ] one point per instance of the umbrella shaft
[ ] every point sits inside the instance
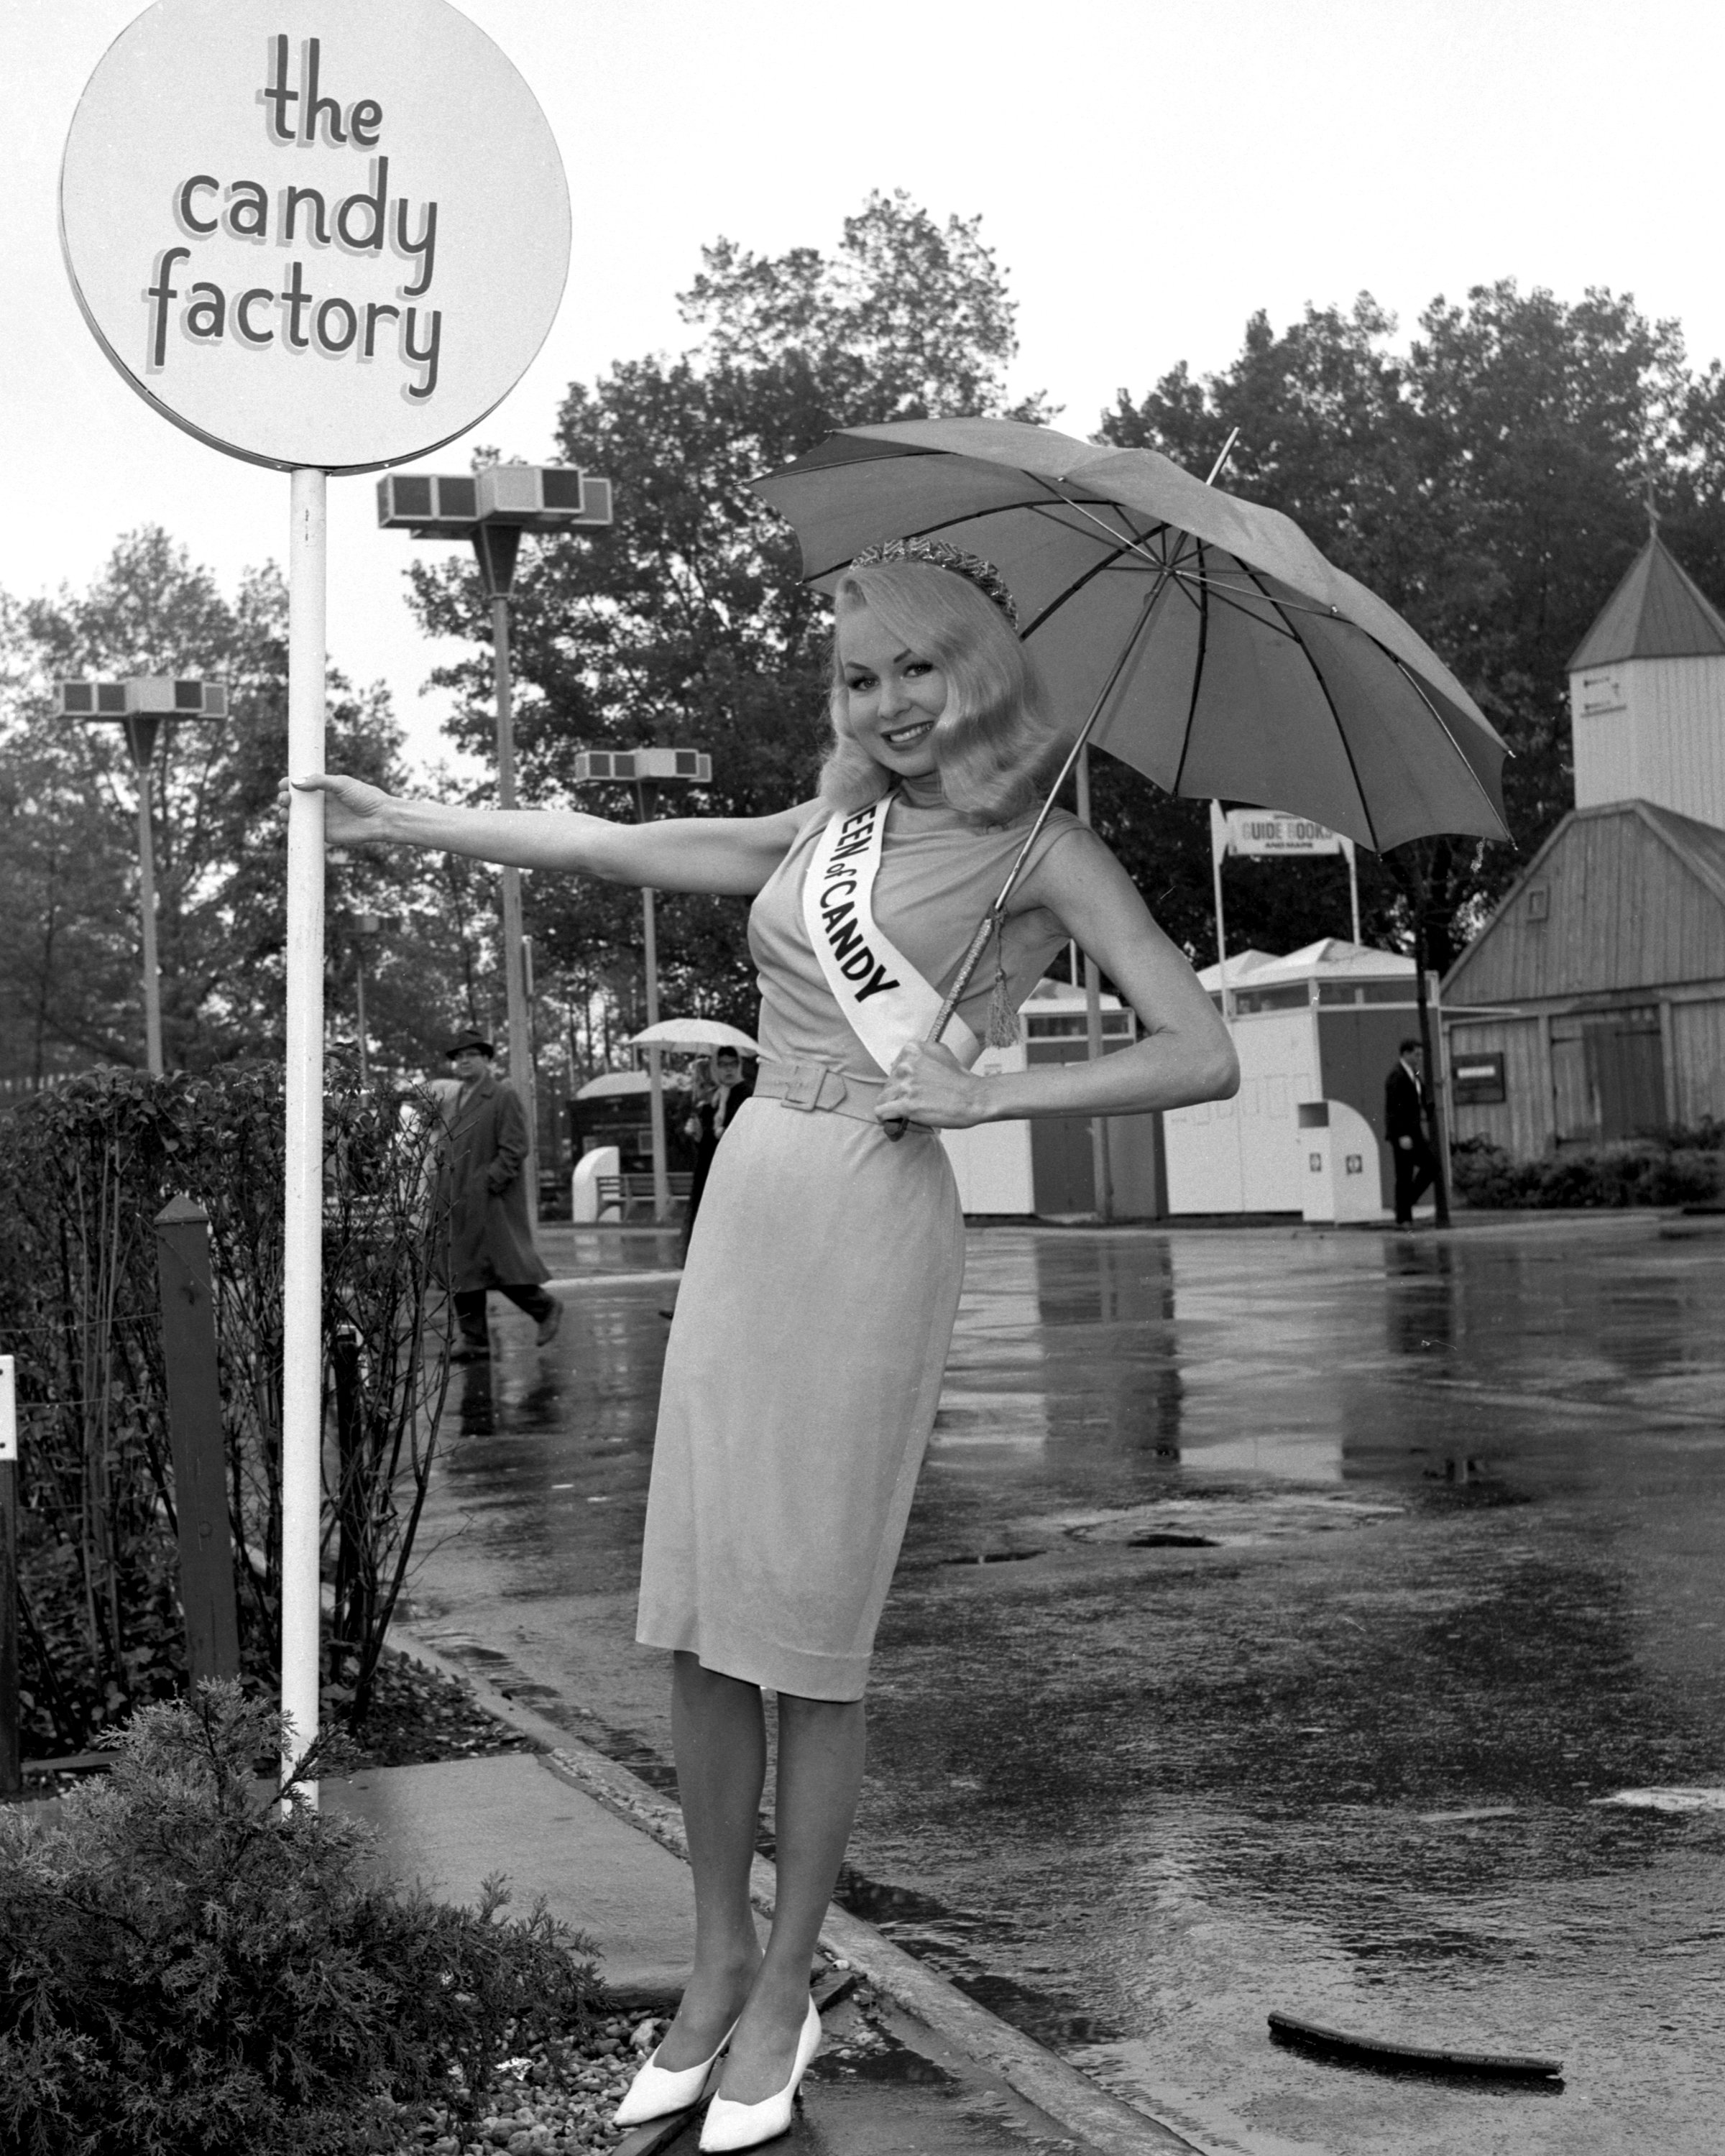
(898, 1126)
(980, 941)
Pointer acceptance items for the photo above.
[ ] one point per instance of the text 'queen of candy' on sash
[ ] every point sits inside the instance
(887, 1001)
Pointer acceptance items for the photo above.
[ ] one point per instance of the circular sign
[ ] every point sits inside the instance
(328, 233)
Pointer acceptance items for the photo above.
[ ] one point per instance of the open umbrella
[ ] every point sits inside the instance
(695, 1033)
(1212, 645)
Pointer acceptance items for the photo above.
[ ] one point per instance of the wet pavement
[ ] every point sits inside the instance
(1330, 1585)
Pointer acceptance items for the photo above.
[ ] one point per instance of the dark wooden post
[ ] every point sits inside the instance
(11, 1752)
(194, 1417)
(351, 1584)
(1434, 1071)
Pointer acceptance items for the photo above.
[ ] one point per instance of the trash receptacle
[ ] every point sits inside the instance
(1341, 1180)
(584, 1184)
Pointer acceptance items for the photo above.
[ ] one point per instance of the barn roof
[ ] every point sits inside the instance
(1700, 845)
(1617, 919)
(1656, 612)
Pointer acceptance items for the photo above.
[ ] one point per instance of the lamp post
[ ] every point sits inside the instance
(140, 705)
(366, 926)
(641, 767)
(493, 508)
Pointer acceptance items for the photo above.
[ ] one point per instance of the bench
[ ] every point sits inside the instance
(630, 1197)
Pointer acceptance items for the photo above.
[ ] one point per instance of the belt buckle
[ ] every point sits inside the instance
(802, 1085)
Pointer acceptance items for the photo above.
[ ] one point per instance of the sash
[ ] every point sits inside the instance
(887, 1001)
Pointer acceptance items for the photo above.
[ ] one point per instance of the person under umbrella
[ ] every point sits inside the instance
(709, 1119)
(804, 1365)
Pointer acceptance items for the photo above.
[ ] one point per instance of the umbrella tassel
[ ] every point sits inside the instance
(1003, 1020)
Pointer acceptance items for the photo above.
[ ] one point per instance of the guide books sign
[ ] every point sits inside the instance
(1263, 831)
(315, 233)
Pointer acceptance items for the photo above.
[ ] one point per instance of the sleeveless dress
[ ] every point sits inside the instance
(816, 1309)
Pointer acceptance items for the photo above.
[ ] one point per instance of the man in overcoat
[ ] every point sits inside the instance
(490, 1243)
(1404, 1107)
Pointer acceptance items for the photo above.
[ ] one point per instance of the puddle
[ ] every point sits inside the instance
(1668, 1800)
(1231, 1521)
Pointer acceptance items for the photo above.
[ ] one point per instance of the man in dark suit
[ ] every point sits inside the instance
(710, 1119)
(1405, 1103)
(490, 1242)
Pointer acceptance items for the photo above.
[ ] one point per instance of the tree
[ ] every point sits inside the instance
(1487, 483)
(69, 871)
(686, 621)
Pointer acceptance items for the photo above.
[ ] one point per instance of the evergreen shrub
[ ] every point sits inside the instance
(193, 1967)
(1687, 1169)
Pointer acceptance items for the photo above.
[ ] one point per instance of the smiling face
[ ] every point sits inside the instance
(470, 1063)
(893, 693)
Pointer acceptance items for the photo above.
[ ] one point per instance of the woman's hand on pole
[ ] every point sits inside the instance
(352, 811)
(928, 1085)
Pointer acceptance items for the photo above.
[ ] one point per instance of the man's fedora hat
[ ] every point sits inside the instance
(470, 1040)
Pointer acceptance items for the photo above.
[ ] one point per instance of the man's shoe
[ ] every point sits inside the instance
(469, 1354)
(548, 1325)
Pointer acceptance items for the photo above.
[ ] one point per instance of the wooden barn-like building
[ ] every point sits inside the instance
(1592, 1005)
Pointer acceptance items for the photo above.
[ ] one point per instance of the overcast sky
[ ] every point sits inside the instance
(1149, 171)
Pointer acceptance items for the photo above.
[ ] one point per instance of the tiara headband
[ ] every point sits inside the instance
(938, 555)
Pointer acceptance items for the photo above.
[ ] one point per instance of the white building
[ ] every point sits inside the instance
(1647, 689)
(1322, 1025)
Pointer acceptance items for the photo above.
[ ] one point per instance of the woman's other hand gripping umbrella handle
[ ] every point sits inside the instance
(895, 1126)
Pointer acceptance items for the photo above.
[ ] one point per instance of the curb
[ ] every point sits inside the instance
(1111, 2126)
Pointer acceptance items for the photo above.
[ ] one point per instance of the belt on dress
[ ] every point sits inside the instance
(817, 1085)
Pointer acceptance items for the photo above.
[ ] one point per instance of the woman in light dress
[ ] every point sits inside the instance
(812, 1326)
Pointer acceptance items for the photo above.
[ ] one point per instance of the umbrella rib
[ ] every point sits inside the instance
(1270, 600)
(1071, 591)
(1235, 598)
(1424, 696)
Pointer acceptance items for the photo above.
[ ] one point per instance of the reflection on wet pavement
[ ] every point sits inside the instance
(1352, 1573)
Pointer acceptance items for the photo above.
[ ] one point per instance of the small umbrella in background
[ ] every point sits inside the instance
(695, 1033)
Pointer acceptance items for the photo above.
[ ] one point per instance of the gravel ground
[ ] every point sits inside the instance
(563, 2101)
(551, 2099)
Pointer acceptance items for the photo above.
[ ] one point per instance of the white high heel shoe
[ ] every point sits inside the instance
(658, 2090)
(730, 2125)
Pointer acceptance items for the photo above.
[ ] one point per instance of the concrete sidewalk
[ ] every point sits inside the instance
(922, 2068)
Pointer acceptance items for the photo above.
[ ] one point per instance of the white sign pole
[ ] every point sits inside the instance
(1219, 847)
(302, 1327)
(1351, 850)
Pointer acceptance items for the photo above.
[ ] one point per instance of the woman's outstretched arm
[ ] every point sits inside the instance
(732, 855)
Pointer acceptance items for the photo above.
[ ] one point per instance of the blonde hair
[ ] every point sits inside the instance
(995, 748)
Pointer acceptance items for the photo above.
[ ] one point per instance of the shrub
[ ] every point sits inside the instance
(193, 1969)
(85, 1169)
(1638, 1172)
